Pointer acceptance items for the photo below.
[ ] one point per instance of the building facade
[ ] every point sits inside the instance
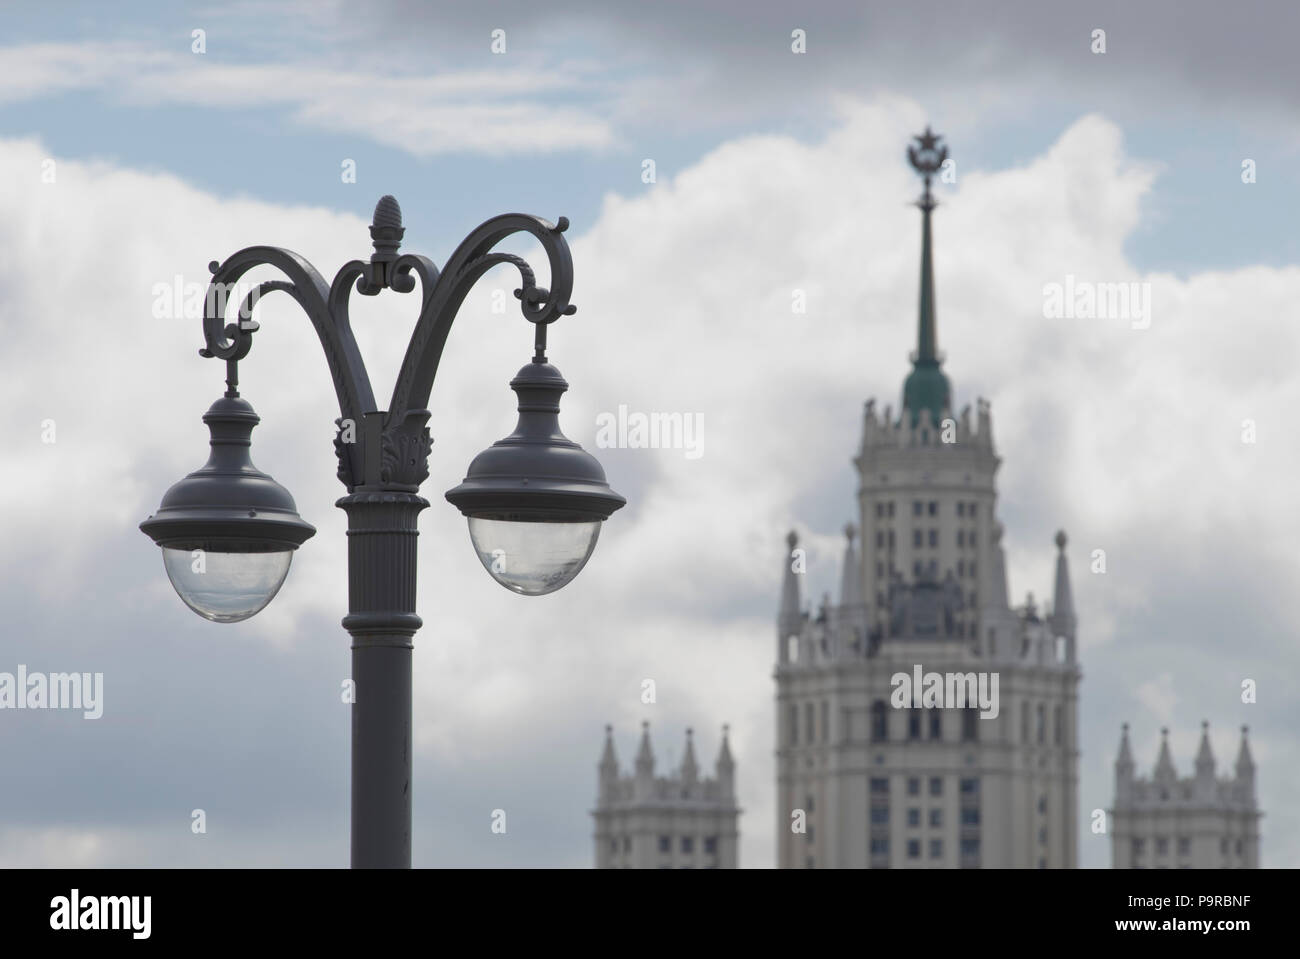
(866, 778)
(679, 821)
(1202, 821)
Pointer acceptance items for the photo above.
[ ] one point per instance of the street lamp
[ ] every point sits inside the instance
(535, 500)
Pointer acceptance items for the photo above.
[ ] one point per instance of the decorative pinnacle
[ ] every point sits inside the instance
(386, 230)
(1060, 539)
(387, 213)
(792, 540)
(849, 532)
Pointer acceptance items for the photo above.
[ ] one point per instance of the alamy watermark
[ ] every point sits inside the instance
(658, 431)
(1084, 300)
(921, 690)
(84, 691)
(188, 301)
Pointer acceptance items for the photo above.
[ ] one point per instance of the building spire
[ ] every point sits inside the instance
(1063, 621)
(851, 575)
(926, 387)
(790, 618)
(1245, 762)
(608, 767)
(1165, 771)
(1125, 750)
(726, 766)
(1205, 755)
(690, 768)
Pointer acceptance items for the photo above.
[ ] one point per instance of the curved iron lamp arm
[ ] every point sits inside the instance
(377, 449)
(443, 298)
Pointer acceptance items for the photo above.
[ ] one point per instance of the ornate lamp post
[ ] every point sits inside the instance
(535, 500)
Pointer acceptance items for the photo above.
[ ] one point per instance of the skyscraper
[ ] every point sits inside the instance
(982, 771)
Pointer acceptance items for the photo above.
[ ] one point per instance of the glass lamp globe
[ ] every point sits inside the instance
(533, 558)
(228, 530)
(226, 587)
(535, 500)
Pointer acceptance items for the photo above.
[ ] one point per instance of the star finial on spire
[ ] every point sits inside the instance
(927, 158)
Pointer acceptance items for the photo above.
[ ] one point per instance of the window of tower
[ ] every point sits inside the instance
(1162, 846)
(936, 785)
(891, 509)
(711, 845)
(879, 786)
(879, 721)
(970, 815)
(916, 507)
(1042, 804)
(880, 539)
(914, 789)
(934, 567)
(1184, 846)
(934, 538)
(914, 818)
(970, 787)
(936, 818)
(914, 849)
(880, 570)
(688, 843)
(1024, 722)
(969, 724)
(826, 721)
(916, 569)
(916, 539)
(961, 508)
(934, 508)
(794, 725)
(936, 848)
(891, 539)
(1042, 723)
(961, 537)
(880, 815)
(936, 724)
(810, 731)
(665, 843)
(1057, 731)
(880, 510)
(913, 724)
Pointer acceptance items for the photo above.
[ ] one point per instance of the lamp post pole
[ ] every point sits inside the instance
(535, 479)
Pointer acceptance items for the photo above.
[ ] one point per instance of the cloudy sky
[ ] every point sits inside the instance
(128, 160)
